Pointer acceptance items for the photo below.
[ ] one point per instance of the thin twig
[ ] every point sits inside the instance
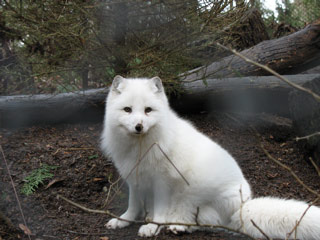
(315, 165)
(284, 166)
(302, 216)
(106, 202)
(308, 136)
(49, 236)
(296, 86)
(281, 164)
(140, 160)
(89, 209)
(241, 208)
(149, 221)
(88, 234)
(289, 170)
(14, 189)
(73, 149)
(260, 230)
(131, 171)
(173, 165)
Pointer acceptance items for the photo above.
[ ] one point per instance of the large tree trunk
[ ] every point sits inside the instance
(291, 54)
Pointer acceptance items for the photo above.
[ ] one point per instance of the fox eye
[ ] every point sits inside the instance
(147, 109)
(127, 109)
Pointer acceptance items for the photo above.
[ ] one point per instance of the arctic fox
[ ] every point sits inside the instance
(176, 174)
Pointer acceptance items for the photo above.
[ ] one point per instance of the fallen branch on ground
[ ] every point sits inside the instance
(315, 165)
(140, 160)
(316, 134)
(290, 171)
(106, 212)
(260, 230)
(15, 192)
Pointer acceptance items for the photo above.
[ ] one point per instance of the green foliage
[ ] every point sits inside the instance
(267, 14)
(63, 46)
(36, 178)
(298, 13)
(66, 88)
(285, 13)
(308, 10)
(93, 156)
(110, 72)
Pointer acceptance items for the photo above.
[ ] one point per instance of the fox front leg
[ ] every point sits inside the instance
(134, 208)
(161, 203)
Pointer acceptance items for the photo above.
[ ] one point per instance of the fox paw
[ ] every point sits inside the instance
(177, 229)
(116, 223)
(149, 230)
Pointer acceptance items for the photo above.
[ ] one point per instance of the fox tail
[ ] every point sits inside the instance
(277, 218)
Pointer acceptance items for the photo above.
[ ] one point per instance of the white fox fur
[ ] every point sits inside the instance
(137, 116)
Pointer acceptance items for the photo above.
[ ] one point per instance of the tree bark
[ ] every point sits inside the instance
(247, 94)
(291, 54)
(252, 94)
(305, 113)
(24, 110)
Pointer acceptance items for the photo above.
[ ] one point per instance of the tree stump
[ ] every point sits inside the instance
(250, 31)
(305, 112)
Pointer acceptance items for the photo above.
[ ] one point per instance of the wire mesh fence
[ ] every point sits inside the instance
(50, 47)
(298, 13)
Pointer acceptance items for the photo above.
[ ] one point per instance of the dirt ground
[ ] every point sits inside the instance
(85, 176)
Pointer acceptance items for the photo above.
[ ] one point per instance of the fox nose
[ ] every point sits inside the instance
(139, 127)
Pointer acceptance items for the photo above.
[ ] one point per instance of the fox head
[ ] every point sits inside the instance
(136, 105)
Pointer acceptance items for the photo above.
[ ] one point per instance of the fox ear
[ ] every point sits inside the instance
(157, 83)
(116, 83)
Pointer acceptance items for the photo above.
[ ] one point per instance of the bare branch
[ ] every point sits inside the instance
(173, 165)
(106, 202)
(140, 160)
(91, 210)
(290, 170)
(87, 234)
(299, 221)
(131, 171)
(278, 162)
(296, 86)
(147, 221)
(241, 208)
(260, 230)
(308, 136)
(315, 165)
(14, 189)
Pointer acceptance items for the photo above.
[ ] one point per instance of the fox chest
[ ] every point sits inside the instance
(140, 163)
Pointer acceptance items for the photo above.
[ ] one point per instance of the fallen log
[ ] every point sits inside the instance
(252, 94)
(24, 110)
(237, 83)
(248, 94)
(305, 113)
(294, 53)
(290, 54)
